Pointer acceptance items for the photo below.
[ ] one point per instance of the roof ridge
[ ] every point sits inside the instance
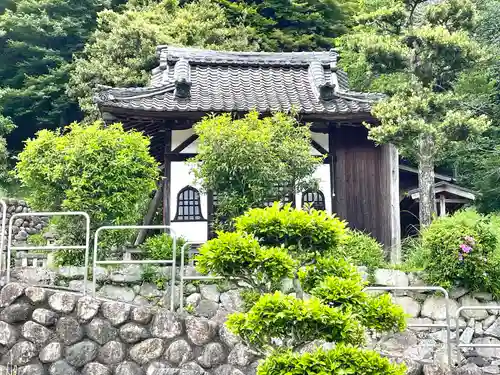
(105, 93)
(170, 54)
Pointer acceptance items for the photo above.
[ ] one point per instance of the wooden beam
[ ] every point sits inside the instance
(332, 160)
(457, 201)
(210, 214)
(437, 176)
(391, 156)
(152, 208)
(167, 181)
(187, 142)
(174, 156)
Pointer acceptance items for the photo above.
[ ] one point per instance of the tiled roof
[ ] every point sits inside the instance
(194, 80)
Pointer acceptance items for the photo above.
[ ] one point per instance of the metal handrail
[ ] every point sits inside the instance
(433, 325)
(182, 277)
(75, 247)
(463, 345)
(95, 262)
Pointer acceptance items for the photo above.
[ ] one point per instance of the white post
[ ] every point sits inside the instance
(442, 206)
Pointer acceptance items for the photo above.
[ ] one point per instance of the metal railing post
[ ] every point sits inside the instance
(183, 277)
(172, 261)
(433, 325)
(70, 247)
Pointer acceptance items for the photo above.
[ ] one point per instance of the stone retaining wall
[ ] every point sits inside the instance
(43, 332)
(22, 227)
(420, 347)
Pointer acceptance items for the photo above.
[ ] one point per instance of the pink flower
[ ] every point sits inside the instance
(465, 248)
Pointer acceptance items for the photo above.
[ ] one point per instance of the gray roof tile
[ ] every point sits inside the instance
(242, 81)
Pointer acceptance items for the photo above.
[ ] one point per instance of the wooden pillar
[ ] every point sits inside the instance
(391, 158)
(152, 209)
(332, 160)
(210, 214)
(167, 171)
(442, 205)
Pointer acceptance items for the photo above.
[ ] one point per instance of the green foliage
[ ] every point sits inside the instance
(407, 116)
(340, 360)
(362, 249)
(121, 52)
(337, 284)
(312, 275)
(239, 256)
(304, 233)
(37, 42)
(37, 240)
(247, 161)
(269, 245)
(460, 250)
(293, 26)
(485, 177)
(269, 320)
(105, 172)
(417, 52)
(413, 253)
(159, 247)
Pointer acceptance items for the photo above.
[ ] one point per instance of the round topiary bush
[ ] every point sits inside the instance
(328, 304)
(297, 230)
(460, 250)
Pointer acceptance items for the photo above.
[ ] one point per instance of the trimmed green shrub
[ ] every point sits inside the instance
(327, 281)
(362, 249)
(239, 256)
(160, 247)
(314, 274)
(339, 360)
(273, 243)
(460, 250)
(297, 230)
(269, 319)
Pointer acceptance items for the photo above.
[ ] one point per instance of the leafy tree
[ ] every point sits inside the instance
(105, 172)
(249, 161)
(480, 91)
(121, 52)
(416, 51)
(280, 326)
(293, 25)
(37, 42)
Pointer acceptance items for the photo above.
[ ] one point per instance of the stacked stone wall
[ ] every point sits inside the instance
(44, 332)
(22, 227)
(422, 348)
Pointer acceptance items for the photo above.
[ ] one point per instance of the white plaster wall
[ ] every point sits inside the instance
(179, 136)
(321, 138)
(323, 175)
(314, 151)
(195, 231)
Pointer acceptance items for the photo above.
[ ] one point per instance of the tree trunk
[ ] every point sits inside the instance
(426, 180)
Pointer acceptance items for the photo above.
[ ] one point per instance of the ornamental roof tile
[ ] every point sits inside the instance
(195, 80)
